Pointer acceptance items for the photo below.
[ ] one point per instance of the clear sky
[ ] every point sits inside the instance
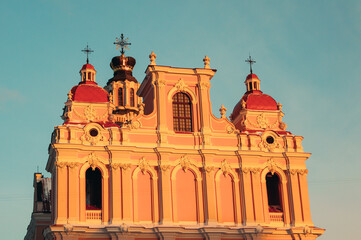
(308, 58)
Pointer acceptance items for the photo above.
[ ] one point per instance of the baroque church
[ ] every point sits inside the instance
(147, 161)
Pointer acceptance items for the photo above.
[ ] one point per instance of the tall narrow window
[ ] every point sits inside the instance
(132, 97)
(274, 193)
(182, 113)
(93, 189)
(120, 97)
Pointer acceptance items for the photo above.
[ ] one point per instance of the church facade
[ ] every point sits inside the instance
(151, 161)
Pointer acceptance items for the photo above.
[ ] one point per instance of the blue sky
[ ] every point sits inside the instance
(308, 58)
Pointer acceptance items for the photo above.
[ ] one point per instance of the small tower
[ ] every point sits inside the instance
(123, 86)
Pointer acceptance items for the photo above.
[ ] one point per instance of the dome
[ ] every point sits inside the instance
(251, 76)
(122, 63)
(89, 91)
(255, 100)
(87, 66)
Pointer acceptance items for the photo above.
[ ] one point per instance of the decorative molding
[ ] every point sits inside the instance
(165, 168)
(204, 84)
(90, 114)
(180, 85)
(209, 169)
(93, 140)
(262, 122)
(72, 165)
(60, 164)
(125, 166)
(230, 129)
(160, 82)
(225, 167)
(143, 165)
(299, 171)
(134, 125)
(251, 170)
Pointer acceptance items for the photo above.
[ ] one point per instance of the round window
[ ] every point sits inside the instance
(270, 140)
(93, 132)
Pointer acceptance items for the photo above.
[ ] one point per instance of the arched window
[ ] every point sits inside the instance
(274, 193)
(182, 113)
(93, 189)
(132, 97)
(120, 97)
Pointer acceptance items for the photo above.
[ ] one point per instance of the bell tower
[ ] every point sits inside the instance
(123, 86)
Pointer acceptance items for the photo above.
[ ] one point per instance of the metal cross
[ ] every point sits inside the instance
(250, 61)
(122, 43)
(87, 51)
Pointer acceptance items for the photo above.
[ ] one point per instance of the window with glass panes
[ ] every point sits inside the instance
(182, 113)
(120, 97)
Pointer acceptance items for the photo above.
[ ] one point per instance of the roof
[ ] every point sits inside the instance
(89, 92)
(87, 66)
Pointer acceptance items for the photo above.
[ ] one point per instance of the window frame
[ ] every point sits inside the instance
(178, 103)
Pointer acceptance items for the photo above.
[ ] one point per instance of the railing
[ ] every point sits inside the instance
(276, 217)
(94, 214)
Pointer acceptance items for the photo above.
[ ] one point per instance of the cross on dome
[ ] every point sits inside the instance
(122, 43)
(87, 51)
(250, 61)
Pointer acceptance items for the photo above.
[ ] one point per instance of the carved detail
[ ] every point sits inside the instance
(299, 171)
(160, 82)
(272, 166)
(180, 85)
(209, 169)
(222, 111)
(92, 140)
(252, 170)
(134, 124)
(265, 146)
(94, 160)
(262, 122)
(60, 164)
(72, 165)
(206, 62)
(204, 84)
(144, 165)
(185, 162)
(110, 96)
(90, 114)
(225, 167)
(70, 95)
(230, 129)
(165, 168)
(125, 166)
(152, 58)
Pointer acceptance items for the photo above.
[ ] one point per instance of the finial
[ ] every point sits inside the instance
(206, 62)
(223, 110)
(250, 61)
(152, 58)
(122, 43)
(87, 51)
(279, 105)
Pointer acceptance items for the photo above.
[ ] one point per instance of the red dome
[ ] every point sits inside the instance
(256, 100)
(250, 76)
(87, 66)
(89, 92)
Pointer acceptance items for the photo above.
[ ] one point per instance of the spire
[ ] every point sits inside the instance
(252, 82)
(87, 51)
(250, 61)
(122, 43)
(87, 72)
